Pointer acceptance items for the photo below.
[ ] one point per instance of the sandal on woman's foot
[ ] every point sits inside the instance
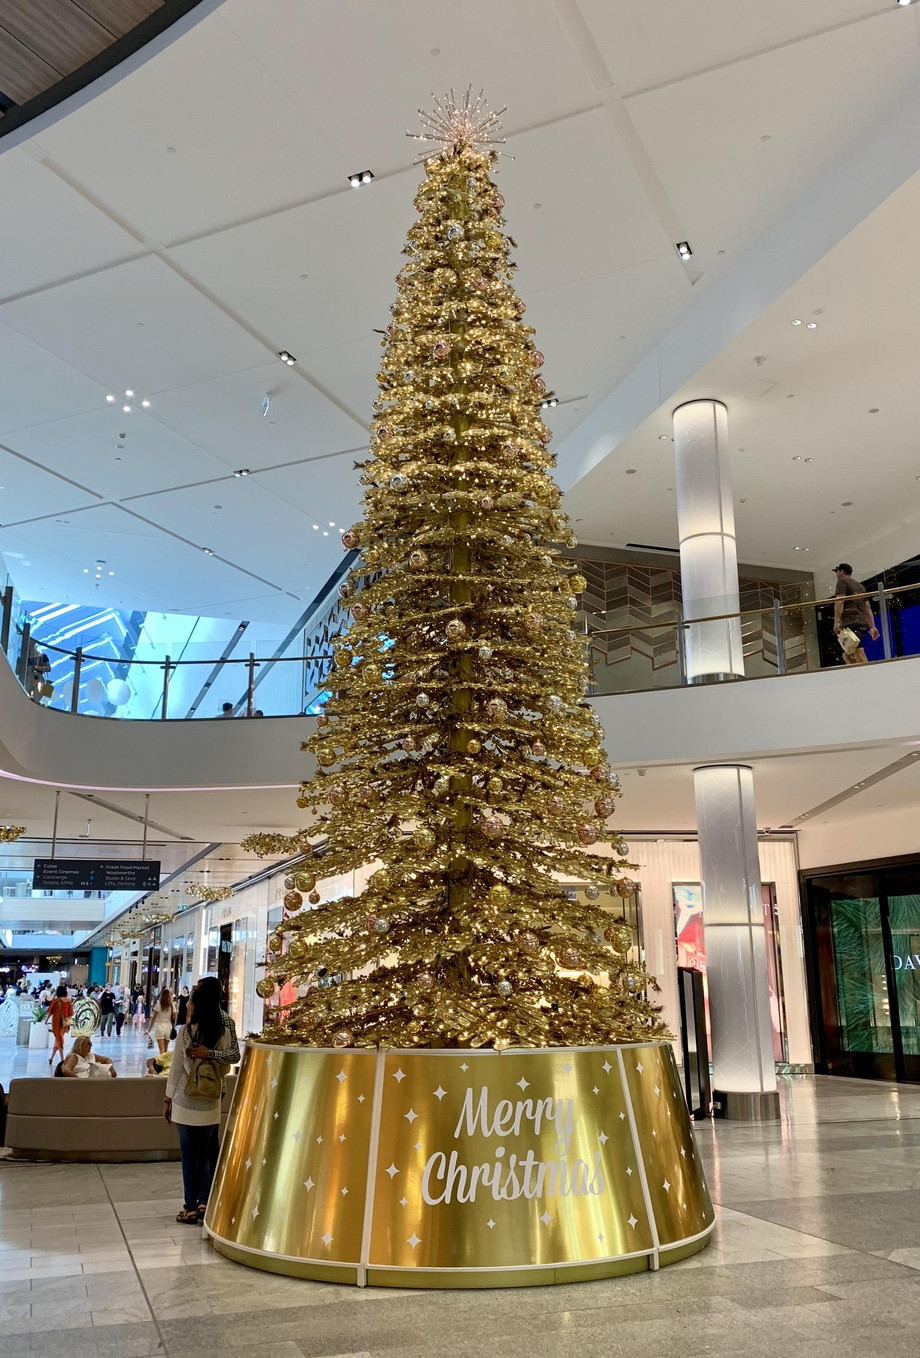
(202, 1208)
(188, 1218)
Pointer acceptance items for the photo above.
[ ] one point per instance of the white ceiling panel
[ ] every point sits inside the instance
(240, 143)
(138, 326)
(116, 454)
(360, 70)
(225, 417)
(27, 489)
(650, 44)
(35, 386)
(704, 135)
(349, 372)
(348, 247)
(51, 232)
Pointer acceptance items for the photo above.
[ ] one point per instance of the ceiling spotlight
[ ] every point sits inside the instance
(110, 397)
(797, 322)
(683, 249)
(549, 402)
(325, 532)
(243, 471)
(208, 551)
(126, 409)
(129, 392)
(796, 458)
(287, 358)
(812, 325)
(315, 526)
(809, 459)
(905, 2)
(145, 404)
(664, 438)
(361, 177)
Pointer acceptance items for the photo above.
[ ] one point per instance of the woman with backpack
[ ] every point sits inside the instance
(205, 1049)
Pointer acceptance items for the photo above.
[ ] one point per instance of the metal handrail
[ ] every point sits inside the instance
(174, 664)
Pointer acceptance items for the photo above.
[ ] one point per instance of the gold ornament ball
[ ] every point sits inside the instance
(425, 980)
(486, 503)
(276, 942)
(571, 959)
(304, 881)
(593, 755)
(625, 887)
(408, 744)
(537, 748)
(292, 900)
(289, 884)
(325, 755)
(455, 629)
(314, 898)
(441, 348)
(533, 622)
(491, 827)
(529, 943)
(381, 925)
(592, 892)
(297, 948)
(496, 786)
(343, 1038)
(601, 773)
(605, 806)
(350, 539)
(473, 746)
(556, 806)
(496, 709)
(500, 895)
(441, 786)
(322, 721)
(485, 653)
(370, 924)
(265, 988)
(358, 612)
(619, 936)
(338, 796)
(371, 674)
(302, 801)
(537, 359)
(587, 834)
(381, 880)
(505, 988)
(418, 560)
(424, 838)
(578, 584)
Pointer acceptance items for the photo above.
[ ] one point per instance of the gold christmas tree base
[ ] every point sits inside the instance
(435, 1168)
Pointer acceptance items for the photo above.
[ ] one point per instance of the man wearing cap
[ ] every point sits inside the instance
(853, 613)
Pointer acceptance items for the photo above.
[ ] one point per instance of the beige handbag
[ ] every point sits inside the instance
(849, 641)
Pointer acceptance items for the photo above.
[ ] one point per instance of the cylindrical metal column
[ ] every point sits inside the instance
(708, 556)
(744, 1074)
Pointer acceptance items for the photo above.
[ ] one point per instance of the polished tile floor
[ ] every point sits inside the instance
(817, 1253)
(129, 1052)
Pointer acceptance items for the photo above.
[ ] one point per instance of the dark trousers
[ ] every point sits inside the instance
(105, 1027)
(199, 1146)
(119, 1022)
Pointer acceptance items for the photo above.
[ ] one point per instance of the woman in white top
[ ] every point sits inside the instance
(163, 1019)
(205, 1049)
(82, 1063)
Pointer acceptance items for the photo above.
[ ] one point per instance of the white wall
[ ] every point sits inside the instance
(882, 834)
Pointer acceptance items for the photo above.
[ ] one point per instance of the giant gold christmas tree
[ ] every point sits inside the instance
(458, 755)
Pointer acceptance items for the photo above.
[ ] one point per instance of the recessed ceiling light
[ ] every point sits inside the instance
(110, 397)
(551, 401)
(315, 526)
(287, 358)
(809, 459)
(812, 325)
(126, 409)
(129, 393)
(145, 404)
(360, 177)
(683, 249)
(86, 570)
(797, 322)
(208, 551)
(243, 471)
(325, 532)
(796, 458)
(331, 524)
(664, 438)
(905, 2)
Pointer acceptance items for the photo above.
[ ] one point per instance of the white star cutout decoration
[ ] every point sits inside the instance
(600, 1239)
(522, 1084)
(341, 1076)
(297, 1136)
(603, 1138)
(399, 1076)
(606, 1067)
(654, 1133)
(233, 1221)
(274, 1083)
(595, 1090)
(249, 1164)
(411, 1115)
(255, 1213)
(308, 1184)
(341, 1138)
(639, 1067)
(404, 1202)
(657, 1091)
(326, 1239)
(629, 1170)
(464, 1066)
(417, 1146)
(360, 1098)
(392, 1171)
(683, 1153)
(255, 1108)
(319, 1141)
(439, 1093)
(344, 1192)
(413, 1240)
(633, 1221)
(276, 1117)
(491, 1224)
(546, 1218)
(684, 1206)
(666, 1186)
(622, 1117)
(264, 1163)
(567, 1068)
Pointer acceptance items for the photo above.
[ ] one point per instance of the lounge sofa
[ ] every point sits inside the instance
(105, 1121)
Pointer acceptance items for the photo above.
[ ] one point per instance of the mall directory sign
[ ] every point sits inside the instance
(95, 874)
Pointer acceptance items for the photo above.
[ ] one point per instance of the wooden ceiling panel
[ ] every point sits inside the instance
(119, 16)
(22, 73)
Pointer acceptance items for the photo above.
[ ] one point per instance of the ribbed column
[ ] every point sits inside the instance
(736, 961)
(706, 525)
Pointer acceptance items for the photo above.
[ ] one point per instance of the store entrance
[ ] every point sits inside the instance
(863, 953)
(224, 954)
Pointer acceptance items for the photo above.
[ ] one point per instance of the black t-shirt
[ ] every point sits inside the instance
(854, 610)
(107, 1002)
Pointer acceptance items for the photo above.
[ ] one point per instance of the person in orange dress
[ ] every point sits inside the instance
(59, 1015)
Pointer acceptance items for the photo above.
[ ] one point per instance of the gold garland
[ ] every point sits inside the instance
(10, 833)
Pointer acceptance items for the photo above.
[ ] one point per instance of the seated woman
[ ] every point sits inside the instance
(82, 1063)
(159, 1065)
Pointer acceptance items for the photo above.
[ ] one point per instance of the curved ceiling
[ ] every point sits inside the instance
(174, 233)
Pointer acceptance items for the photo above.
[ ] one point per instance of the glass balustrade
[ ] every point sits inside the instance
(193, 672)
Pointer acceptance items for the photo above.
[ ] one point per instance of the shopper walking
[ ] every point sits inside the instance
(107, 1010)
(162, 1024)
(59, 1015)
(121, 998)
(205, 1049)
(853, 618)
(182, 1016)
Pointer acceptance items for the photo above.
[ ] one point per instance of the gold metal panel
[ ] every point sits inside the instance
(487, 1169)
(676, 1182)
(489, 1160)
